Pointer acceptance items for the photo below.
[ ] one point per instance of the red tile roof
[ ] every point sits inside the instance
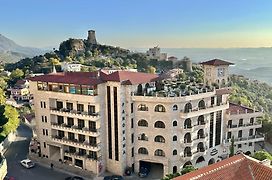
(234, 108)
(240, 167)
(216, 62)
(94, 78)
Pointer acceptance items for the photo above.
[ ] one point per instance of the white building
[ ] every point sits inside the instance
(155, 53)
(99, 122)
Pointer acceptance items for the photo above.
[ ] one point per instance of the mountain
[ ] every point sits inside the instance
(12, 52)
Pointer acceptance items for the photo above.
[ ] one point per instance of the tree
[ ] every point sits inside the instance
(11, 115)
(17, 74)
(68, 59)
(262, 155)
(151, 69)
(54, 61)
(187, 169)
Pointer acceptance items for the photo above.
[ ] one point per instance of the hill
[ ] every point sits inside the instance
(12, 52)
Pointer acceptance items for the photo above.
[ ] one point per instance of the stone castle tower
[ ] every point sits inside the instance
(91, 37)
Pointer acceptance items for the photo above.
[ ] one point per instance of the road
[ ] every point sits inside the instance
(18, 150)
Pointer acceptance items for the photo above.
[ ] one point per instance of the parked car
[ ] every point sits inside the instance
(74, 178)
(27, 163)
(114, 177)
(144, 171)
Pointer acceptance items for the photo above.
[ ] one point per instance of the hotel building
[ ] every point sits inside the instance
(98, 121)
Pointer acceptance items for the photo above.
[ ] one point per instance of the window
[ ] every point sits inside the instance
(201, 104)
(159, 152)
(81, 123)
(69, 106)
(175, 138)
(44, 144)
(132, 152)
(252, 120)
(175, 123)
(142, 107)
(43, 131)
(143, 123)
(175, 152)
(187, 138)
(70, 122)
(188, 107)
(251, 132)
(81, 138)
(131, 108)
(59, 105)
(142, 150)
(41, 104)
(175, 107)
(91, 109)
(80, 107)
(44, 105)
(45, 119)
(159, 108)
(42, 119)
(240, 122)
(159, 139)
(132, 138)
(250, 144)
(239, 145)
(200, 120)
(240, 133)
(230, 123)
(92, 126)
(159, 124)
(46, 132)
(175, 169)
(132, 123)
(187, 123)
(229, 135)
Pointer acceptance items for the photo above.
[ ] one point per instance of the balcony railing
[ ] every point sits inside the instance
(76, 129)
(258, 137)
(244, 125)
(82, 155)
(143, 138)
(69, 111)
(76, 143)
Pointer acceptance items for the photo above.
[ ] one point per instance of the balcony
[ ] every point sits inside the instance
(76, 129)
(76, 143)
(207, 110)
(80, 156)
(73, 113)
(254, 138)
(244, 126)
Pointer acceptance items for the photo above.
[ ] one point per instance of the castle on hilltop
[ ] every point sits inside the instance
(91, 37)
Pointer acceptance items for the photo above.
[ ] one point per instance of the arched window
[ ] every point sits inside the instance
(187, 152)
(211, 161)
(143, 137)
(188, 107)
(143, 123)
(187, 123)
(175, 152)
(142, 107)
(142, 150)
(201, 104)
(175, 138)
(140, 89)
(175, 169)
(159, 152)
(187, 138)
(200, 134)
(200, 120)
(159, 139)
(200, 159)
(159, 108)
(175, 107)
(200, 147)
(175, 123)
(188, 163)
(159, 124)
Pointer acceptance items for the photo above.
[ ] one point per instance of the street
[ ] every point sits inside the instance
(18, 150)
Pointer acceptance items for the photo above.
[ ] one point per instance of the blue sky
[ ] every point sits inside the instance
(139, 23)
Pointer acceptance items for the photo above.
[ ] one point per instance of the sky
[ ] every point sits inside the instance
(139, 23)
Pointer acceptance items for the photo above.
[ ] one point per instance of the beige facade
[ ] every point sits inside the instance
(117, 124)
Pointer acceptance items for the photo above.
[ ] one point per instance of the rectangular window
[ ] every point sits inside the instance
(44, 105)
(115, 108)
(251, 132)
(131, 108)
(81, 138)
(59, 105)
(218, 127)
(229, 135)
(60, 120)
(69, 106)
(70, 121)
(91, 109)
(240, 122)
(46, 132)
(92, 126)
(43, 131)
(132, 152)
(132, 138)
(42, 119)
(80, 107)
(41, 104)
(240, 133)
(44, 144)
(239, 145)
(212, 100)
(60, 134)
(92, 141)
(211, 129)
(109, 121)
(71, 136)
(250, 144)
(45, 119)
(81, 123)
(132, 123)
